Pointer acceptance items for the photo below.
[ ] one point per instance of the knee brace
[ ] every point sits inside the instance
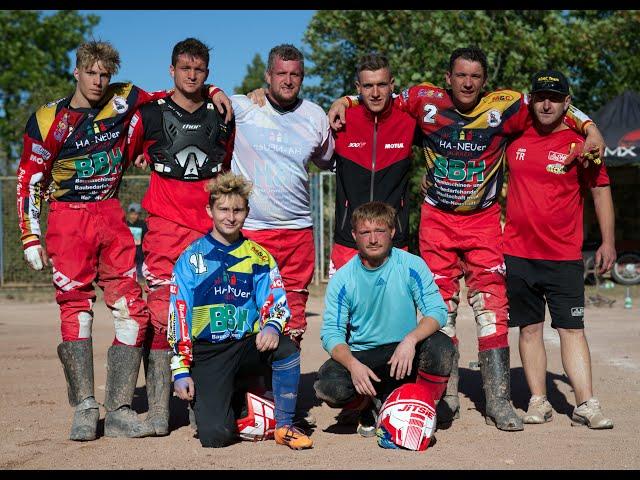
(485, 318)
(126, 328)
(334, 385)
(452, 306)
(436, 355)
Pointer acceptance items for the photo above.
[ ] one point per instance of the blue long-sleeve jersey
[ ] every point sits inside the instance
(221, 292)
(379, 305)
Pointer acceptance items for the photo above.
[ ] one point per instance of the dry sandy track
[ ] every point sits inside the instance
(36, 417)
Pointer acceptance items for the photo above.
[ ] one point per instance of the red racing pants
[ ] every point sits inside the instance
(162, 245)
(340, 255)
(87, 242)
(456, 244)
(294, 252)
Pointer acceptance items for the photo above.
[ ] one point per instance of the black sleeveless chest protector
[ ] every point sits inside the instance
(189, 151)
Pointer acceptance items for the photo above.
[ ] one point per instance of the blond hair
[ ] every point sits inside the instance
(374, 212)
(228, 184)
(93, 51)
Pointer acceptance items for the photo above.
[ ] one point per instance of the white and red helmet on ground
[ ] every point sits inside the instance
(407, 418)
(260, 422)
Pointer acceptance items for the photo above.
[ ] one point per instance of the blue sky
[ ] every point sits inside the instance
(145, 39)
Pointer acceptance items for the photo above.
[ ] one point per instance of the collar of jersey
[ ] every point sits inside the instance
(382, 115)
(288, 109)
(222, 246)
(377, 269)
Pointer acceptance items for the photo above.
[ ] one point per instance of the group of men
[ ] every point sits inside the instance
(229, 249)
(464, 133)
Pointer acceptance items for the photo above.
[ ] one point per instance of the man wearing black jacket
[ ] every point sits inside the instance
(373, 157)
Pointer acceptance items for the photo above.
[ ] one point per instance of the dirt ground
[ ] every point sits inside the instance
(36, 416)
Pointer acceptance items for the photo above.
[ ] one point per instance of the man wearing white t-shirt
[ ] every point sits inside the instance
(273, 145)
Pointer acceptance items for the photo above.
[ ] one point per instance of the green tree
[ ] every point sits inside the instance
(607, 62)
(594, 48)
(254, 77)
(34, 68)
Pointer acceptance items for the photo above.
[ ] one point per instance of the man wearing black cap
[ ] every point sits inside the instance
(542, 246)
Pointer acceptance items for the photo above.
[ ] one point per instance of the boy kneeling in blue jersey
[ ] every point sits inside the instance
(227, 313)
(370, 327)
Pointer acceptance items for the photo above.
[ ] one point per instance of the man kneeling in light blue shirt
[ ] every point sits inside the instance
(370, 327)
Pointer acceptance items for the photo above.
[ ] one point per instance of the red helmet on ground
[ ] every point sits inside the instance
(260, 421)
(407, 418)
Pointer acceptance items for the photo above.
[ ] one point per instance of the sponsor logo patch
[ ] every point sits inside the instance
(259, 253)
(356, 144)
(182, 319)
(493, 118)
(277, 283)
(577, 311)
(36, 159)
(119, 104)
(499, 269)
(502, 98)
(40, 150)
(557, 156)
(556, 168)
(61, 128)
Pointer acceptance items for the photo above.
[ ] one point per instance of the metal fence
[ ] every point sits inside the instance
(15, 272)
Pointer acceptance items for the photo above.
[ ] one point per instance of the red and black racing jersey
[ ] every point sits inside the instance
(183, 202)
(464, 153)
(74, 155)
(373, 160)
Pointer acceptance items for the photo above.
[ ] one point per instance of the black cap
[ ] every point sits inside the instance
(549, 81)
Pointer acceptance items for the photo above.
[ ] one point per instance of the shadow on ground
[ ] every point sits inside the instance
(471, 387)
(179, 414)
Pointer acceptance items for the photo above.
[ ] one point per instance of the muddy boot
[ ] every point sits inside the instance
(77, 362)
(123, 363)
(158, 391)
(494, 366)
(448, 408)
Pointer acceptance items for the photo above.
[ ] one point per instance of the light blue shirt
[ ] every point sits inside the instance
(379, 305)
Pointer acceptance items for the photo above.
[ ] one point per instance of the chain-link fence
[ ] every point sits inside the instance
(15, 272)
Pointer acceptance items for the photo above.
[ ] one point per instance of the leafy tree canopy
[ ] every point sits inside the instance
(596, 49)
(34, 68)
(254, 77)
